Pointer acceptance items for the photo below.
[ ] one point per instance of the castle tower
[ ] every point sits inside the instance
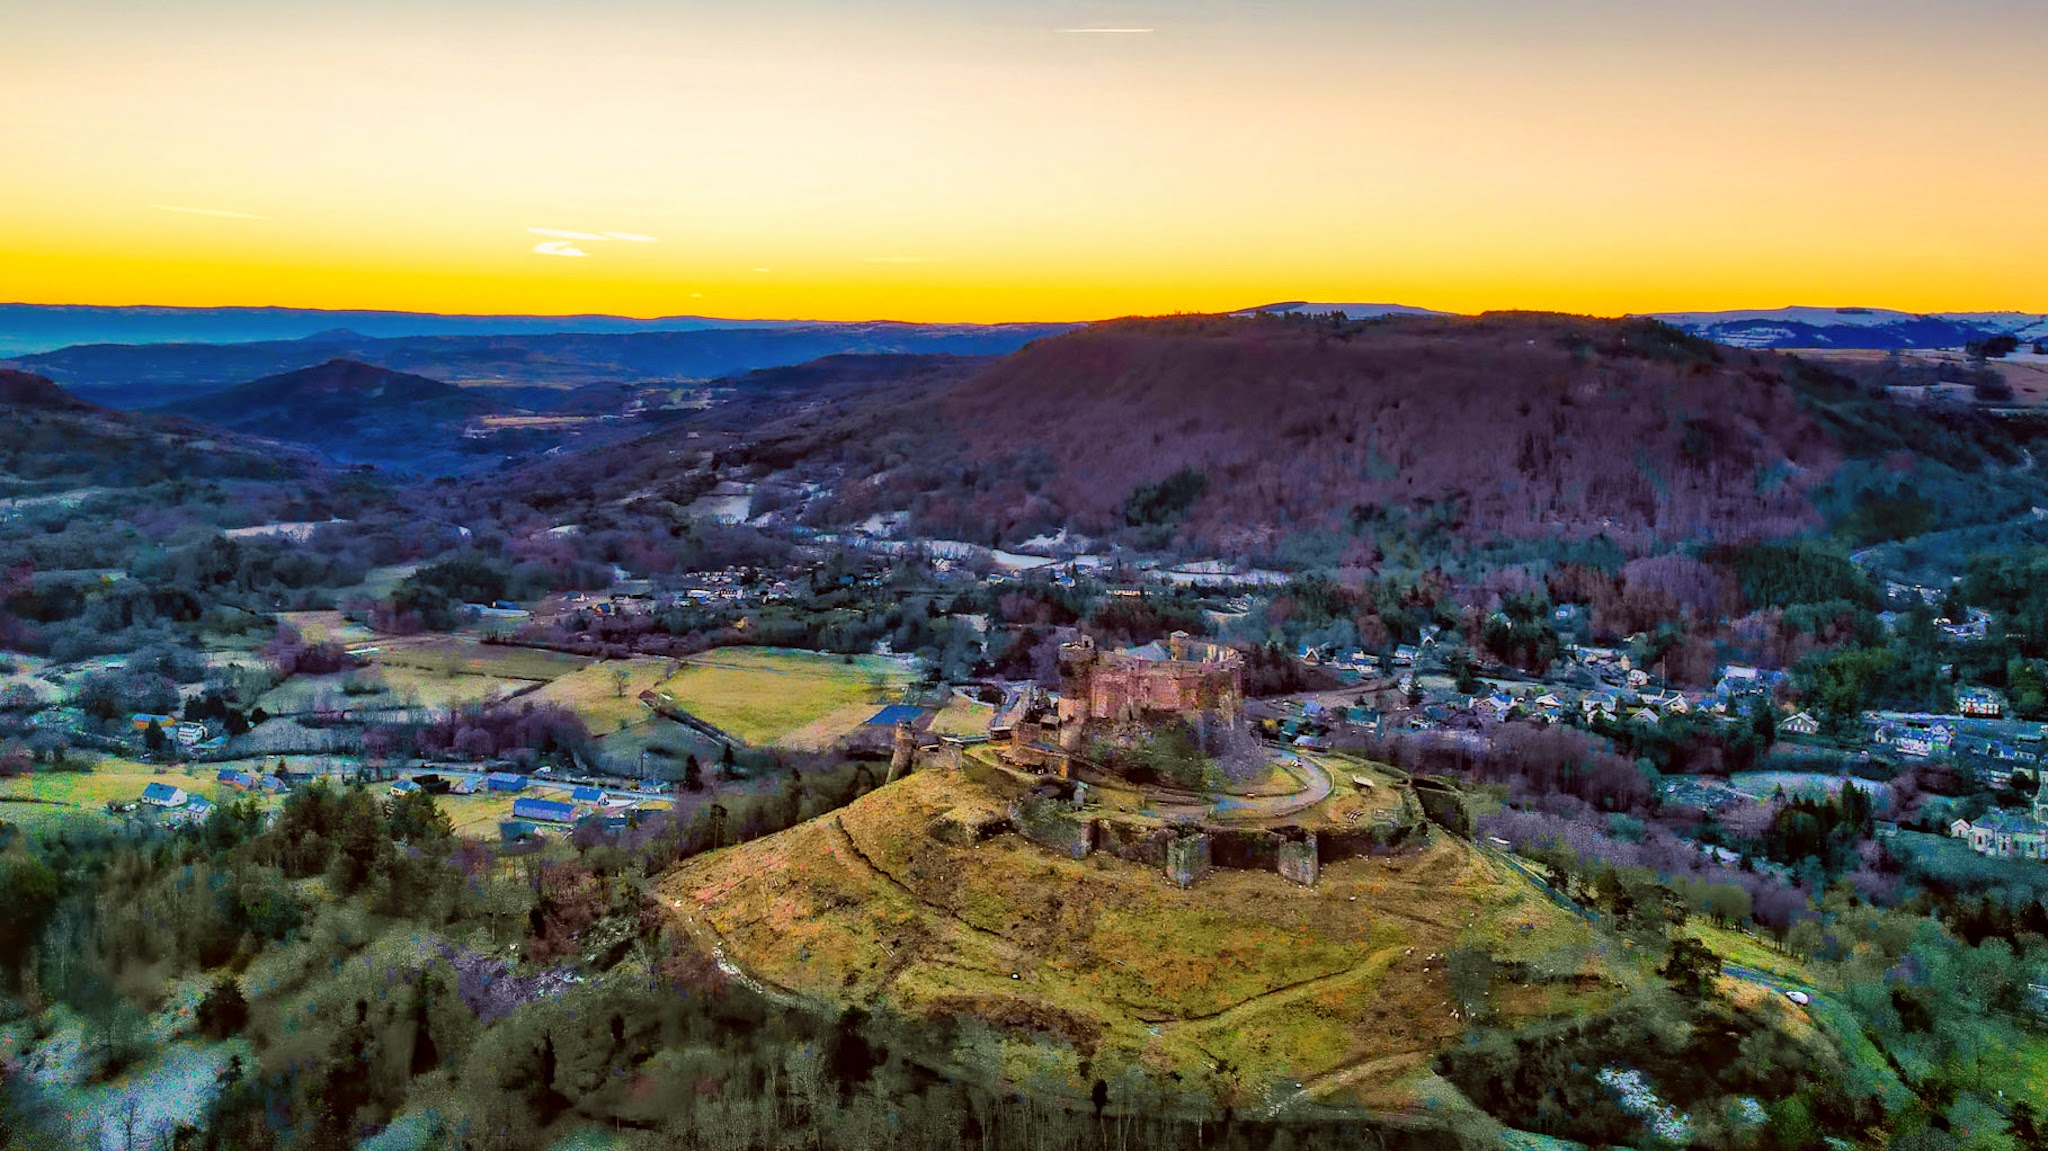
(905, 752)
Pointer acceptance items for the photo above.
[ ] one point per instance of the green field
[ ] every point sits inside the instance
(769, 695)
(47, 797)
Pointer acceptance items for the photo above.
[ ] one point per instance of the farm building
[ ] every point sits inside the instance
(164, 795)
(896, 713)
(463, 785)
(505, 781)
(587, 795)
(544, 810)
(1801, 724)
(514, 830)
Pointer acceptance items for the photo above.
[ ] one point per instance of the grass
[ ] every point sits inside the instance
(464, 655)
(962, 717)
(44, 798)
(766, 695)
(1241, 983)
(593, 692)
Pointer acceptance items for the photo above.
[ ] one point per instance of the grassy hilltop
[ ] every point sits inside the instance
(1245, 983)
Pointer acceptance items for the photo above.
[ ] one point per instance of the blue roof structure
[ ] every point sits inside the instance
(896, 713)
(506, 781)
(163, 793)
(587, 795)
(547, 810)
(233, 777)
(404, 787)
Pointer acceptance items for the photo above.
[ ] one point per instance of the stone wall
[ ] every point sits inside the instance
(1300, 861)
(1187, 858)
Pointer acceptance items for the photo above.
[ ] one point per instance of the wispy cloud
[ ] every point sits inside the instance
(563, 241)
(221, 213)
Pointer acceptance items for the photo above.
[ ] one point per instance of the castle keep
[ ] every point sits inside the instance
(1192, 679)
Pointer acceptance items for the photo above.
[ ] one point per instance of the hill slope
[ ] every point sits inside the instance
(1361, 433)
(1244, 984)
(355, 413)
(55, 448)
(25, 391)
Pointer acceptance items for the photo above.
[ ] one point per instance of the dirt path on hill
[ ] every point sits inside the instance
(1316, 787)
(1286, 992)
(1009, 945)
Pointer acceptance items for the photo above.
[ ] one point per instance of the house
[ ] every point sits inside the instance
(239, 780)
(514, 830)
(505, 781)
(1800, 724)
(141, 720)
(587, 795)
(273, 784)
(197, 809)
(1405, 655)
(1644, 716)
(544, 810)
(2005, 835)
(463, 785)
(403, 788)
(164, 795)
(1980, 702)
(189, 734)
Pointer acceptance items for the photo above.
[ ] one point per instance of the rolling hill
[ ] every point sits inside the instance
(356, 413)
(57, 450)
(1309, 442)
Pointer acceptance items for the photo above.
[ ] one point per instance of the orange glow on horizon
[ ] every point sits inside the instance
(920, 161)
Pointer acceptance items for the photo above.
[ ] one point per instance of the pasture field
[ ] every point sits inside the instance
(47, 797)
(963, 717)
(464, 655)
(607, 694)
(769, 695)
(322, 626)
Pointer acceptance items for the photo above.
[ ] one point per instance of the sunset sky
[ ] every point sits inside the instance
(1037, 159)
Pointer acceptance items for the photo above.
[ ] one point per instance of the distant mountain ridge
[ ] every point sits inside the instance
(149, 375)
(1855, 328)
(1780, 328)
(26, 329)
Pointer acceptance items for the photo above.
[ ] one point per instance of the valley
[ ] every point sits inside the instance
(1311, 724)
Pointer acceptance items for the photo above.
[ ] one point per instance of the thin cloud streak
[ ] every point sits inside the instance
(219, 213)
(558, 248)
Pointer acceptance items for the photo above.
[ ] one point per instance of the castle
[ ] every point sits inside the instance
(1195, 681)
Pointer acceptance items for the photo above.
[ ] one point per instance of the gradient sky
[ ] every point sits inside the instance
(980, 160)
